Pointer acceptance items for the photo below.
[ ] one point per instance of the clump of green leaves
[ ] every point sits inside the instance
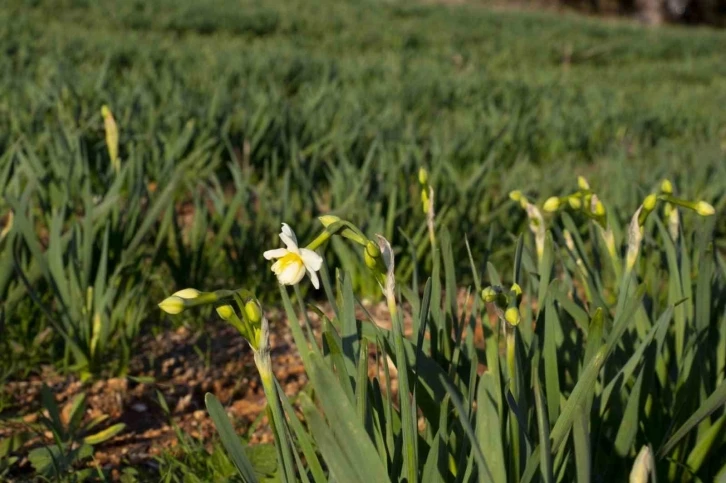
(312, 114)
(73, 440)
(606, 356)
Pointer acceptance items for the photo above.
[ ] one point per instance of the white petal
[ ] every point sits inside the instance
(288, 237)
(288, 231)
(292, 274)
(312, 260)
(314, 278)
(276, 253)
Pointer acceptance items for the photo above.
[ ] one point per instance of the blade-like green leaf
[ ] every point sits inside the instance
(338, 462)
(49, 404)
(489, 428)
(545, 270)
(714, 402)
(303, 437)
(435, 468)
(581, 440)
(349, 332)
(350, 435)
(532, 466)
(549, 354)
(629, 424)
(104, 435)
(229, 438)
(636, 358)
(543, 428)
(485, 474)
(706, 445)
(584, 387)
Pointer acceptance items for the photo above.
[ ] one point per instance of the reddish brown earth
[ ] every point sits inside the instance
(182, 366)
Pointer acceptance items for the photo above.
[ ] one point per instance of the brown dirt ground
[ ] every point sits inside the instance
(183, 366)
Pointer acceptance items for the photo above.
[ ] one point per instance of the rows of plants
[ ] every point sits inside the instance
(158, 146)
(606, 360)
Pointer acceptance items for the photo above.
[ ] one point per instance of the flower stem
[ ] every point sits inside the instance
(511, 340)
(264, 367)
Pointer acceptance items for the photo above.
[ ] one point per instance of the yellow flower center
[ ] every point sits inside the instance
(289, 259)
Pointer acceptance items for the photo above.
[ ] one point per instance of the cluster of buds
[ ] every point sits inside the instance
(702, 208)
(247, 318)
(584, 200)
(505, 303)
(377, 256)
(635, 230)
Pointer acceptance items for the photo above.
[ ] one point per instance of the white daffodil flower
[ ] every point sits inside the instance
(292, 262)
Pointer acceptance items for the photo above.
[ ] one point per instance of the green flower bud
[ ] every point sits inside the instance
(370, 262)
(666, 187)
(253, 311)
(599, 209)
(186, 298)
(423, 176)
(517, 292)
(650, 201)
(187, 293)
(551, 205)
(511, 315)
(425, 200)
(704, 209)
(582, 183)
(228, 314)
(488, 295)
(518, 197)
(372, 255)
(648, 206)
(111, 128)
(575, 202)
(225, 311)
(172, 305)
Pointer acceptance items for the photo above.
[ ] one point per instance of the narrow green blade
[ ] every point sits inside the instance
(350, 435)
(714, 402)
(543, 428)
(489, 427)
(229, 438)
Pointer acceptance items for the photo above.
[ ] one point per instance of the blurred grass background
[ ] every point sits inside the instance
(237, 115)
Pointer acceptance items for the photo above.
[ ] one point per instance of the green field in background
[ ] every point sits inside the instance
(284, 110)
